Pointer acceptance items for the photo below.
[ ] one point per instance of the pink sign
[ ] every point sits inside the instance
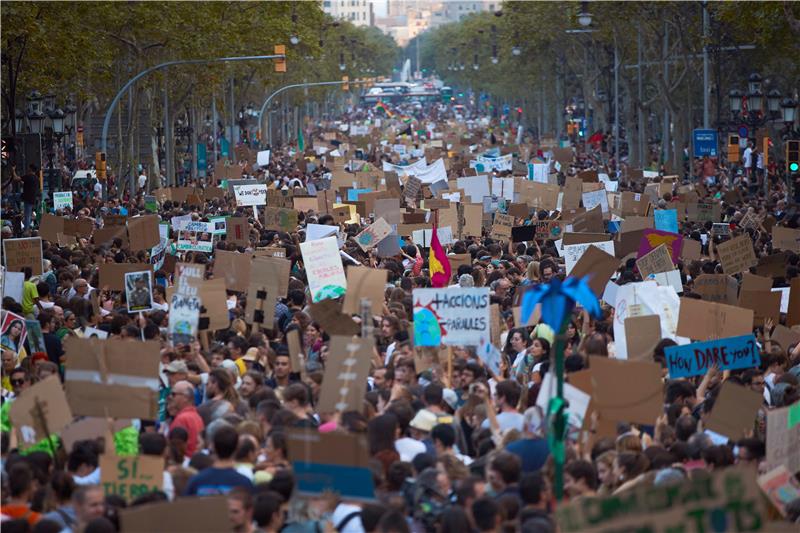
(653, 238)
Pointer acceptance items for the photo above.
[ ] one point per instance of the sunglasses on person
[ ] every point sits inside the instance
(17, 382)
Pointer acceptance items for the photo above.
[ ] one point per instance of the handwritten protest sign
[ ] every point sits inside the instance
(324, 268)
(573, 252)
(280, 219)
(695, 359)
(373, 234)
(703, 320)
(737, 255)
(21, 253)
(549, 229)
(131, 477)
(345, 380)
(251, 194)
(62, 200)
(444, 316)
(655, 262)
(666, 220)
(786, 239)
(727, 500)
(782, 438)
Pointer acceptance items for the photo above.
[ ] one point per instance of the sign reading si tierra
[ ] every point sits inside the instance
(446, 316)
(131, 477)
(695, 359)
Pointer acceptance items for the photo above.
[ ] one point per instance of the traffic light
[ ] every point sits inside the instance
(280, 63)
(100, 165)
(792, 156)
(733, 148)
(345, 83)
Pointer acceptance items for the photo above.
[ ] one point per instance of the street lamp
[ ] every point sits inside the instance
(584, 17)
(773, 102)
(755, 101)
(735, 101)
(754, 82)
(35, 114)
(788, 110)
(57, 117)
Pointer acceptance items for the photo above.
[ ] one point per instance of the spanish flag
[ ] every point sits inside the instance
(438, 264)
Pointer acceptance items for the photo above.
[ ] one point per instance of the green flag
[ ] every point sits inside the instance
(301, 143)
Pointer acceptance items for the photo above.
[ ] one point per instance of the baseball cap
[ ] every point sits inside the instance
(424, 420)
(176, 366)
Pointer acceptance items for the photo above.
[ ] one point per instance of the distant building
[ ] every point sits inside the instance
(408, 18)
(359, 12)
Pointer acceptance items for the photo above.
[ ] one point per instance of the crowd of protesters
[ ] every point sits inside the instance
(452, 449)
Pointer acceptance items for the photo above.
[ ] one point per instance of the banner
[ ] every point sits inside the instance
(324, 268)
(727, 500)
(695, 359)
(456, 317)
(250, 195)
(406, 170)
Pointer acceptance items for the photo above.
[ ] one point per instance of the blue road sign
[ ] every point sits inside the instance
(705, 143)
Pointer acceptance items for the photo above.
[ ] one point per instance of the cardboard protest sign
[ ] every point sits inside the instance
(345, 380)
(373, 234)
(578, 400)
(765, 304)
(139, 291)
(653, 238)
(737, 255)
(501, 228)
(444, 316)
(50, 226)
(783, 434)
(590, 221)
(324, 268)
(570, 238)
(702, 503)
(731, 353)
(640, 401)
(655, 261)
(183, 515)
(214, 310)
(598, 265)
(412, 187)
(719, 288)
(518, 210)
(132, 476)
(735, 410)
(549, 229)
(250, 194)
(751, 282)
(793, 308)
(234, 268)
(364, 282)
(633, 223)
(112, 275)
(702, 320)
(593, 199)
(642, 334)
(573, 252)
(102, 379)
(238, 231)
(643, 298)
(280, 219)
(704, 212)
(786, 239)
(40, 411)
(89, 428)
(272, 271)
(143, 232)
(21, 253)
(780, 486)
(78, 227)
(62, 200)
(329, 314)
(324, 462)
(772, 266)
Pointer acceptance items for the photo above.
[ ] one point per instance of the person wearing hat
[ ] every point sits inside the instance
(421, 426)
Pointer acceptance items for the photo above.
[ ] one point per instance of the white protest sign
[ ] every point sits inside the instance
(538, 172)
(248, 195)
(423, 236)
(324, 268)
(262, 158)
(573, 252)
(503, 188)
(578, 400)
(594, 198)
(62, 200)
(476, 187)
(455, 316)
(436, 171)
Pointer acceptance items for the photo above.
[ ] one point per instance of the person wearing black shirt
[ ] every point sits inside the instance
(30, 190)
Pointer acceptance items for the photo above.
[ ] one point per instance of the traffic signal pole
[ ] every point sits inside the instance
(295, 86)
(160, 66)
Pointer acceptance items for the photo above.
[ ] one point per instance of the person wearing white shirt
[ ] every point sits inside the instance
(143, 181)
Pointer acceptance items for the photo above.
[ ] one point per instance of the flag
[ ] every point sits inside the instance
(301, 142)
(438, 264)
(380, 106)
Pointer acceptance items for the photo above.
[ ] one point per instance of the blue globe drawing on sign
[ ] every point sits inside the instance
(426, 328)
(329, 291)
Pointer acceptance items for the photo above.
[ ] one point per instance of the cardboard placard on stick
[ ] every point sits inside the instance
(765, 304)
(112, 275)
(132, 476)
(234, 268)
(345, 380)
(786, 239)
(102, 379)
(183, 515)
(40, 410)
(642, 334)
(364, 282)
(654, 262)
(641, 401)
(237, 231)
(598, 265)
(21, 253)
(143, 232)
(718, 288)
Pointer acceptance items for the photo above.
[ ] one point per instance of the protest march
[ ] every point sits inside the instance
(409, 317)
